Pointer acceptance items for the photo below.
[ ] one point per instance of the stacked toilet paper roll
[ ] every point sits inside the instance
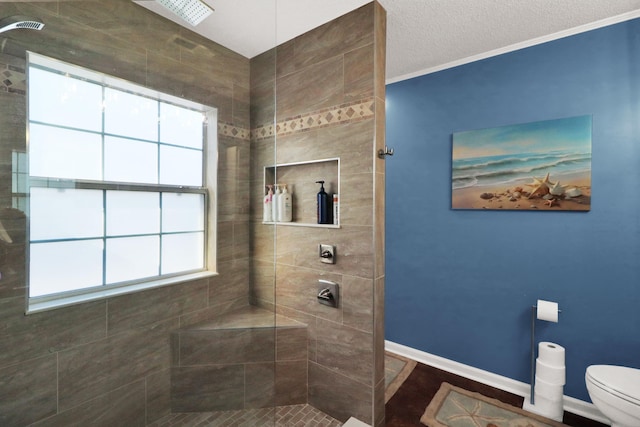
(550, 380)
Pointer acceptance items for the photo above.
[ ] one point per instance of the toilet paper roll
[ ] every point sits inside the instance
(547, 310)
(553, 409)
(555, 375)
(550, 353)
(548, 390)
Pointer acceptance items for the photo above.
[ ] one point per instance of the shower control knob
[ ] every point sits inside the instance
(325, 294)
(328, 293)
(327, 254)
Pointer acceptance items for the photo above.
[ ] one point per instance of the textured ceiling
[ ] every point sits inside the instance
(425, 35)
(422, 35)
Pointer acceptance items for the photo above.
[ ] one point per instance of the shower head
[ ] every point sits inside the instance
(18, 21)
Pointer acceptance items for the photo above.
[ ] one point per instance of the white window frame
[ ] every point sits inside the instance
(208, 189)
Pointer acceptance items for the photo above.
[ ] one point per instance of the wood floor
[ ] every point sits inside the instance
(409, 402)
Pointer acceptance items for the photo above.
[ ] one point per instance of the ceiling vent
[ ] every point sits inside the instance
(192, 11)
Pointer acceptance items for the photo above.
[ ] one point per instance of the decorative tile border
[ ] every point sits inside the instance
(12, 79)
(330, 116)
(232, 131)
(340, 114)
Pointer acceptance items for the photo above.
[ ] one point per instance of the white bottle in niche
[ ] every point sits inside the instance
(336, 209)
(267, 214)
(284, 205)
(275, 203)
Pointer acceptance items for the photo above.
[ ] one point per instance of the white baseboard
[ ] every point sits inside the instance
(571, 404)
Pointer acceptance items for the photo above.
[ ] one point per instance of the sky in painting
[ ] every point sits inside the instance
(569, 134)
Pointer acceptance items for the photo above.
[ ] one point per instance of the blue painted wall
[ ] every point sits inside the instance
(460, 284)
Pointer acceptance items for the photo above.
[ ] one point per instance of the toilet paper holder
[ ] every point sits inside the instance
(534, 315)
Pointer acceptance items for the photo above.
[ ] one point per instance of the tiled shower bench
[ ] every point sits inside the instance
(239, 360)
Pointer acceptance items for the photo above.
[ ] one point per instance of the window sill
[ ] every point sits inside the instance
(52, 304)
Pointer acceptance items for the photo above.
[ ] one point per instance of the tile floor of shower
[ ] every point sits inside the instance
(289, 416)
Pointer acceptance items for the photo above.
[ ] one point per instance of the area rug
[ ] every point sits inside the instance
(397, 370)
(455, 407)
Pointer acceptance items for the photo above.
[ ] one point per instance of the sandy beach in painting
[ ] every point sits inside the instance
(515, 196)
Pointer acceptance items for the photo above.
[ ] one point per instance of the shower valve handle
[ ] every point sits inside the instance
(326, 294)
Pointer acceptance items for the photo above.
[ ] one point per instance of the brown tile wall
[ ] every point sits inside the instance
(108, 362)
(329, 87)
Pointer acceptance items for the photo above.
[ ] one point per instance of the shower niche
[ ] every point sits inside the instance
(300, 179)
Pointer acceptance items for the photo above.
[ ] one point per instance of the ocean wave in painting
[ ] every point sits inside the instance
(506, 169)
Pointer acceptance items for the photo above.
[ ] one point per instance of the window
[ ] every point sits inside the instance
(118, 185)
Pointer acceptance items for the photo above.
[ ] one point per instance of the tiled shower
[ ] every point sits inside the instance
(119, 361)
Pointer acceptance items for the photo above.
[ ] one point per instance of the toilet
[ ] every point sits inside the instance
(615, 390)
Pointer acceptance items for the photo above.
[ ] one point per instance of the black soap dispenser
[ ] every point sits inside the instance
(323, 205)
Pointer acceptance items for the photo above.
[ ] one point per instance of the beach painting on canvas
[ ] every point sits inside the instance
(543, 165)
